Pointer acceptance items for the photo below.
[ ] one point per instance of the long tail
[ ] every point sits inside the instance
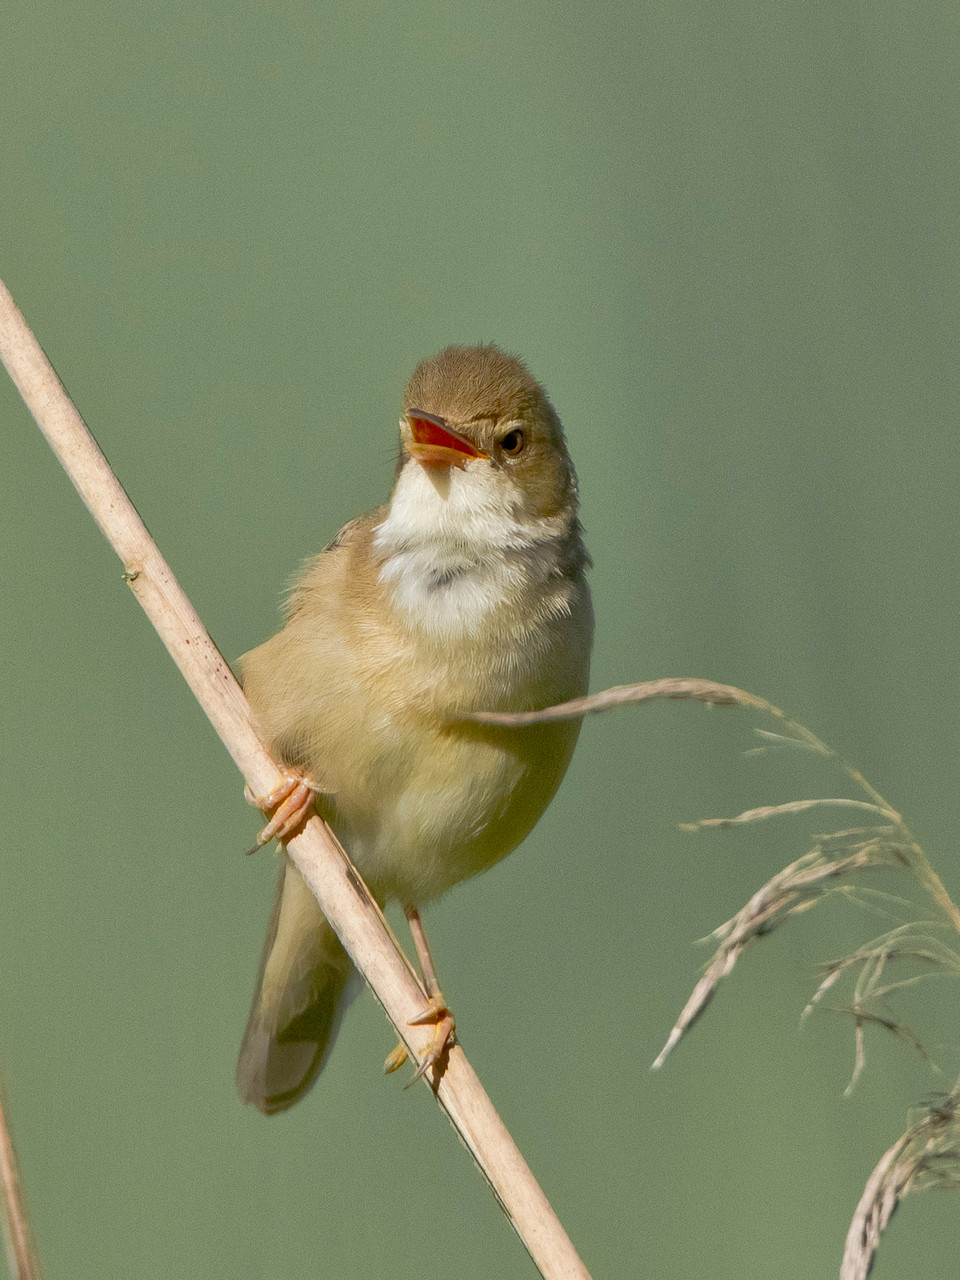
(298, 1003)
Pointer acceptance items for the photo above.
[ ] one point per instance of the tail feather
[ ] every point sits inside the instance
(300, 998)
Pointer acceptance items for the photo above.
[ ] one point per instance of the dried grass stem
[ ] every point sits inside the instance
(339, 890)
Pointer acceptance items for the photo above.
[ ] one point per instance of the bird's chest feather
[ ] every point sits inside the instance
(460, 564)
(482, 626)
(464, 597)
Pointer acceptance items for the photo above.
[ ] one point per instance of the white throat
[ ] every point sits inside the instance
(459, 546)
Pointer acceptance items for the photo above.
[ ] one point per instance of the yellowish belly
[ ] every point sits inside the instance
(461, 800)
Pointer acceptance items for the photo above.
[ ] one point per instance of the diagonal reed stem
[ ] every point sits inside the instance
(338, 888)
(21, 1251)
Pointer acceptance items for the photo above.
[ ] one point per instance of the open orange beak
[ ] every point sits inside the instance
(435, 445)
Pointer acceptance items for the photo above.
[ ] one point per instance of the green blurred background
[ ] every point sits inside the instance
(725, 237)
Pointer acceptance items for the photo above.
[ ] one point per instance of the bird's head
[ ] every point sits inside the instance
(480, 411)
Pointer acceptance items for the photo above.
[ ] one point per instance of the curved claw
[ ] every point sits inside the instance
(290, 805)
(442, 1040)
(395, 1059)
(443, 1036)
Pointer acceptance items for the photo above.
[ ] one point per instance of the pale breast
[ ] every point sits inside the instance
(392, 636)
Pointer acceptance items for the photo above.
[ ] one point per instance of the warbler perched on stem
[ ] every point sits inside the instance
(465, 593)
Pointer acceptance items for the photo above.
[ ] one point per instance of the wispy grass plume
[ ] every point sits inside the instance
(791, 891)
(927, 1155)
(913, 950)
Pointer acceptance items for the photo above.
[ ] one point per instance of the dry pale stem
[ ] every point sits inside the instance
(336, 884)
(718, 695)
(21, 1252)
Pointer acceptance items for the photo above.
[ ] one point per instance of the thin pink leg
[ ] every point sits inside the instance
(437, 1010)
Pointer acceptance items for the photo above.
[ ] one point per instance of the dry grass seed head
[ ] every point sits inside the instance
(927, 1155)
(796, 888)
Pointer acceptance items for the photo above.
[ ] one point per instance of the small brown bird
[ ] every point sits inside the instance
(465, 593)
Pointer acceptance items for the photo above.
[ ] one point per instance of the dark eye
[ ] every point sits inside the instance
(512, 443)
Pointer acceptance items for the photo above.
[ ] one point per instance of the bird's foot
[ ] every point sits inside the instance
(443, 1036)
(395, 1059)
(288, 806)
